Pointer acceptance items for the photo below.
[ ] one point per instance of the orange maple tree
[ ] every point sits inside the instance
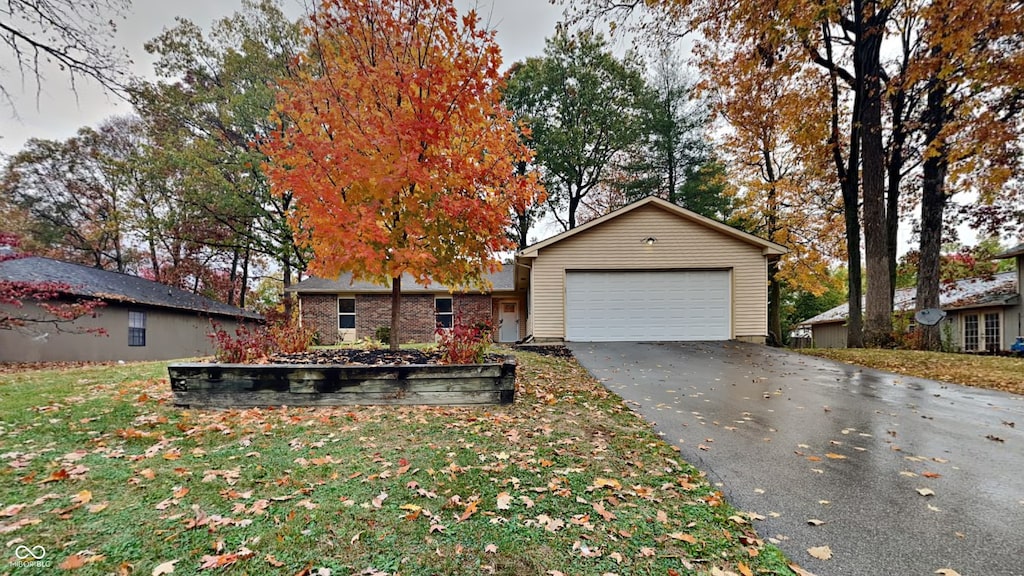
(396, 145)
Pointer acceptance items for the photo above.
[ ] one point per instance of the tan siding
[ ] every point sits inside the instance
(681, 244)
(831, 335)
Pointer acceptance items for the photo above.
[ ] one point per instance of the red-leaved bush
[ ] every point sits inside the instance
(253, 344)
(464, 343)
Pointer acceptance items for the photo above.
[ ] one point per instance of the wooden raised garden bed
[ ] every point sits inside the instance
(205, 385)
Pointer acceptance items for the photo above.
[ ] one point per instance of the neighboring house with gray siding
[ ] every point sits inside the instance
(143, 320)
(982, 314)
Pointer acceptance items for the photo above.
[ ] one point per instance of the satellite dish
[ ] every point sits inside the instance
(929, 316)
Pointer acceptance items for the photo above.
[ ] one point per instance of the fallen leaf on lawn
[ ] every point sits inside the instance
(738, 519)
(799, 571)
(662, 517)
(181, 491)
(147, 473)
(926, 492)
(820, 552)
(165, 568)
(744, 569)
(96, 508)
(72, 562)
(470, 510)
(835, 456)
(607, 483)
(647, 552)
(273, 561)
(504, 501)
(815, 522)
(12, 510)
(716, 571)
(684, 537)
(491, 549)
(555, 573)
(436, 528)
(379, 500)
(83, 497)
(56, 476)
(599, 508)
(947, 572)
(616, 556)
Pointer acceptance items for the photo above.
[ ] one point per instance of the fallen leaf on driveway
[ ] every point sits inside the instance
(799, 571)
(947, 572)
(926, 492)
(931, 474)
(820, 552)
(815, 522)
(835, 456)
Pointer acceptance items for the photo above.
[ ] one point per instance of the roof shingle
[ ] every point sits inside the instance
(113, 286)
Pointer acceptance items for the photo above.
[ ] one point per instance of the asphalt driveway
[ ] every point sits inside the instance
(905, 476)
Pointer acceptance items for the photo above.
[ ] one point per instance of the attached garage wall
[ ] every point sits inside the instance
(681, 244)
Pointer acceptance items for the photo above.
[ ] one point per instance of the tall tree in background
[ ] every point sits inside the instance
(584, 109)
(672, 158)
(769, 136)
(971, 66)
(76, 37)
(209, 119)
(399, 151)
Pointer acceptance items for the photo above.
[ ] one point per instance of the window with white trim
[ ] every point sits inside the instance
(346, 313)
(444, 316)
(136, 328)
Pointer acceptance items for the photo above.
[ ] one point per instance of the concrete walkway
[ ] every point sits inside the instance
(905, 476)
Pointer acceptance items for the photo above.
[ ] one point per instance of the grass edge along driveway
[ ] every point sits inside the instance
(101, 472)
(1004, 373)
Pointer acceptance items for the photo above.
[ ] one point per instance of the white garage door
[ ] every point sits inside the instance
(668, 306)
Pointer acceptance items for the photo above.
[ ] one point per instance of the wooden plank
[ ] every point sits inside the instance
(206, 399)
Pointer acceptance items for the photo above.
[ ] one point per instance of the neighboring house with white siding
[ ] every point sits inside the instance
(982, 314)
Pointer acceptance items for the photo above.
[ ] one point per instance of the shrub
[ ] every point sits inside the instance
(464, 344)
(290, 337)
(382, 334)
(245, 347)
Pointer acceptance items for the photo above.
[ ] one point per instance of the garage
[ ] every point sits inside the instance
(653, 305)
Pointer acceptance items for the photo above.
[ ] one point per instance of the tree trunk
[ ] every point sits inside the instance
(775, 336)
(933, 203)
(396, 309)
(878, 305)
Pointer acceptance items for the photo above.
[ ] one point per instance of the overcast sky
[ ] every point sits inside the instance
(522, 26)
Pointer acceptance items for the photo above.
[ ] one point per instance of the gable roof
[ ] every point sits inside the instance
(999, 290)
(501, 281)
(768, 248)
(113, 286)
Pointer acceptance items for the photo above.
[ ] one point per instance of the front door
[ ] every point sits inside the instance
(508, 322)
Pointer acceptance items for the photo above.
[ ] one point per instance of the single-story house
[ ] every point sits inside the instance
(982, 314)
(143, 320)
(650, 270)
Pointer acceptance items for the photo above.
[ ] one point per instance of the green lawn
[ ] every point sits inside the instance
(995, 372)
(98, 469)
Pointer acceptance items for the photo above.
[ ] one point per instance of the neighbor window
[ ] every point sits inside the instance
(971, 333)
(992, 332)
(443, 312)
(136, 328)
(346, 313)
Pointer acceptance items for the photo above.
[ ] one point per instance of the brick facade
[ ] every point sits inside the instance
(374, 311)
(321, 312)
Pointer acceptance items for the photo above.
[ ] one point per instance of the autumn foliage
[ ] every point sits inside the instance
(60, 310)
(396, 145)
